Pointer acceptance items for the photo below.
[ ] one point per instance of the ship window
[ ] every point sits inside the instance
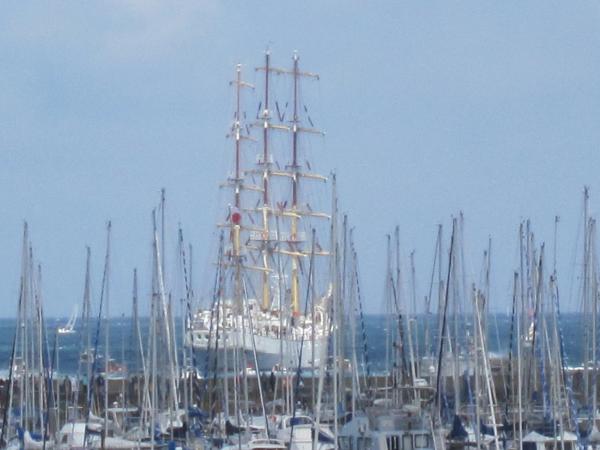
(407, 442)
(65, 438)
(421, 441)
(393, 443)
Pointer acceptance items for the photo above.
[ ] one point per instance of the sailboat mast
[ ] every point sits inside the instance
(153, 353)
(40, 336)
(413, 282)
(141, 364)
(162, 226)
(334, 302)
(107, 331)
(173, 392)
(476, 342)
(594, 305)
(24, 391)
(586, 312)
(519, 336)
(86, 317)
(388, 315)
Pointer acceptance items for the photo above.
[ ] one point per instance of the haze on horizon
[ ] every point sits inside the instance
(430, 108)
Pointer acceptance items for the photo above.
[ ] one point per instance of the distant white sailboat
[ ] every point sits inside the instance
(70, 325)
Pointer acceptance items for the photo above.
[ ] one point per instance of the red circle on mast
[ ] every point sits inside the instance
(236, 217)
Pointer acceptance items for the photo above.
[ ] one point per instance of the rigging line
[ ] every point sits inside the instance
(137, 337)
(8, 401)
(428, 315)
(470, 397)
(362, 319)
(49, 386)
(281, 286)
(189, 331)
(187, 295)
(511, 342)
(299, 369)
(568, 379)
(400, 328)
(258, 380)
(247, 283)
(444, 320)
(96, 342)
(49, 379)
(574, 257)
(217, 300)
(504, 373)
(83, 330)
(541, 351)
(535, 326)
(396, 285)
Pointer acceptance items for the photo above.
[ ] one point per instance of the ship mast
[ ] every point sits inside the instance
(292, 171)
(237, 183)
(265, 164)
(237, 135)
(295, 179)
(266, 117)
(295, 175)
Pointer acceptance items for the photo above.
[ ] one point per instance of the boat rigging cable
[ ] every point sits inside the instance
(511, 342)
(49, 379)
(444, 320)
(533, 338)
(363, 327)
(8, 401)
(96, 342)
(400, 344)
(299, 369)
(568, 379)
(188, 296)
(216, 304)
(258, 380)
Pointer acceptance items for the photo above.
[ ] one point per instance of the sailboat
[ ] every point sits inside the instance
(263, 305)
(69, 327)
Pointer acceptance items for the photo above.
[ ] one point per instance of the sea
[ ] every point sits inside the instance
(370, 332)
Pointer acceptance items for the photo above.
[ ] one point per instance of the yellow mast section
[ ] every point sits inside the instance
(295, 179)
(266, 171)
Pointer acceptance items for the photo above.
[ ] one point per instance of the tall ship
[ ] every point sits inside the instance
(272, 293)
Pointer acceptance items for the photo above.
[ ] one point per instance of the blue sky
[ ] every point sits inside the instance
(430, 107)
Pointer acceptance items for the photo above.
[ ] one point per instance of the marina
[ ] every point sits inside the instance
(278, 356)
(314, 226)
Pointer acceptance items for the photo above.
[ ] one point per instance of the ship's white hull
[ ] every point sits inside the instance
(270, 351)
(235, 337)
